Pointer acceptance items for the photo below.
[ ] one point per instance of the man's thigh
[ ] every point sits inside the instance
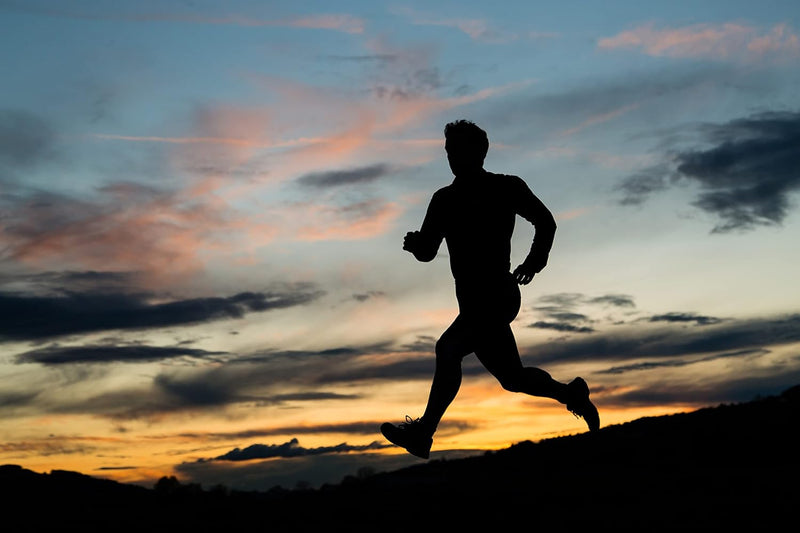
(496, 349)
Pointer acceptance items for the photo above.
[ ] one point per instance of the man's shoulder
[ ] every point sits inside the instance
(443, 192)
(506, 180)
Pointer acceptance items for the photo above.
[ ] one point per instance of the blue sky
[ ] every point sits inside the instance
(202, 208)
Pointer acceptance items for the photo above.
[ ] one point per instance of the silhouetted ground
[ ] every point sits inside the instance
(728, 467)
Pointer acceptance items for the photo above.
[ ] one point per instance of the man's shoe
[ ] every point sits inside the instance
(411, 435)
(580, 405)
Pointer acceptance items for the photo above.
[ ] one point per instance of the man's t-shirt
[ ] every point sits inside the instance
(475, 215)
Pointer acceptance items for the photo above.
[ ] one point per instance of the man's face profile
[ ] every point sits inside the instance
(463, 158)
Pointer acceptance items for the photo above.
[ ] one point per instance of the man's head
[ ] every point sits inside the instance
(466, 145)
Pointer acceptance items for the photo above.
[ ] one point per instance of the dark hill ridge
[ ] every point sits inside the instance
(726, 467)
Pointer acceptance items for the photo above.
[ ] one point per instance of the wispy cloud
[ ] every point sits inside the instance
(599, 119)
(700, 320)
(361, 220)
(727, 41)
(334, 21)
(60, 355)
(478, 29)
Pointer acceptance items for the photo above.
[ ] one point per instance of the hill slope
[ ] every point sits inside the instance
(731, 466)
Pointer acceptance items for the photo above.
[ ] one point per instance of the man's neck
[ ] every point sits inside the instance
(470, 176)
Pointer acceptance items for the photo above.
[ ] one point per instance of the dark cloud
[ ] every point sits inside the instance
(13, 399)
(334, 178)
(747, 171)
(569, 300)
(669, 341)
(562, 326)
(312, 470)
(700, 320)
(650, 365)
(637, 187)
(354, 428)
(616, 300)
(192, 392)
(291, 448)
(24, 317)
(731, 389)
(561, 314)
(77, 281)
(25, 139)
(362, 297)
(59, 355)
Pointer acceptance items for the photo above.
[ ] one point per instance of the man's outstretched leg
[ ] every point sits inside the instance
(497, 350)
(416, 435)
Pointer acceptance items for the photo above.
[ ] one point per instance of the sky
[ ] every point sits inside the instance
(202, 209)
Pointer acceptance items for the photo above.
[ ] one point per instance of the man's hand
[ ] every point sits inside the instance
(411, 242)
(525, 272)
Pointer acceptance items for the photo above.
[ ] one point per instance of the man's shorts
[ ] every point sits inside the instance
(489, 300)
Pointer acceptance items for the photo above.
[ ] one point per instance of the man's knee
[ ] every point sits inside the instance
(510, 382)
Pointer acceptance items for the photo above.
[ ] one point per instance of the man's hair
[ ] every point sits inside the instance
(468, 135)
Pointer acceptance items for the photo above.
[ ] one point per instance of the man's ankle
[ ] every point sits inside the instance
(428, 427)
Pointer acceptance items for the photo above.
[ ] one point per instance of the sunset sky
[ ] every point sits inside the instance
(202, 209)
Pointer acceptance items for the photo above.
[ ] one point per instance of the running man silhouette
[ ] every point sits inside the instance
(475, 214)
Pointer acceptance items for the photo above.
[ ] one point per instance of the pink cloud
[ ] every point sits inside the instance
(361, 220)
(599, 119)
(714, 41)
(337, 22)
(129, 228)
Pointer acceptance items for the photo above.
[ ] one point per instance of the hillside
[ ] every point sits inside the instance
(730, 466)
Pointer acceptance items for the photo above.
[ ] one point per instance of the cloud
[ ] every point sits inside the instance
(562, 326)
(41, 317)
(599, 119)
(561, 309)
(360, 220)
(700, 320)
(291, 448)
(59, 355)
(746, 177)
(334, 178)
(51, 282)
(650, 365)
(123, 227)
(25, 139)
(363, 297)
(708, 41)
(637, 99)
(312, 470)
(615, 300)
(191, 392)
(477, 29)
(337, 22)
(637, 342)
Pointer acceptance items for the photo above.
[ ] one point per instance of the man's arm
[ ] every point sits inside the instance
(534, 211)
(424, 244)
